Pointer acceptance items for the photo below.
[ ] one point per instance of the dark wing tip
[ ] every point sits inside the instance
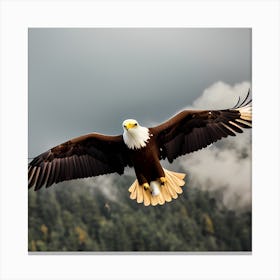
(246, 101)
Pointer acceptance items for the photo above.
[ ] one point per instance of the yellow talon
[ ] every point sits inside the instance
(162, 180)
(146, 186)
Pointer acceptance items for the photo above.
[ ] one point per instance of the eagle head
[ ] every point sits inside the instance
(130, 124)
(135, 136)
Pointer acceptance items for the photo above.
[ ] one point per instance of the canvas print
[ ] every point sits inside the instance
(139, 140)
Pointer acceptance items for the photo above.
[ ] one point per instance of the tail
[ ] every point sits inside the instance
(170, 190)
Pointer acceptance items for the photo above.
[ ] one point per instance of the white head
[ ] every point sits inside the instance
(135, 136)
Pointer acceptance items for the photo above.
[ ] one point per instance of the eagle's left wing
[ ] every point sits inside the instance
(191, 130)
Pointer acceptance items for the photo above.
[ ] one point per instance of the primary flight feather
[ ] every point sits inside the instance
(142, 148)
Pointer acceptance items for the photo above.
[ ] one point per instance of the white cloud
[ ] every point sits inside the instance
(227, 165)
(221, 95)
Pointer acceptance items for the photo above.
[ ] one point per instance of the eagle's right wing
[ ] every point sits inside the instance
(86, 156)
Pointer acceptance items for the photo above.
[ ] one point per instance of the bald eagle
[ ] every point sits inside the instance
(142, 148)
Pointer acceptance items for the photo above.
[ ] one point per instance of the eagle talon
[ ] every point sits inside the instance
(146, 186)
(162, 180)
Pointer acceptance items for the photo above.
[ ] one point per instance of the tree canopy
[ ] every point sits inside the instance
(73, 218)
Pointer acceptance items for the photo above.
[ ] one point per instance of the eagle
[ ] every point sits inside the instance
(141, 148)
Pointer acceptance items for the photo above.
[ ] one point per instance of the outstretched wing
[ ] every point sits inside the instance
(85, 156)
(191, 130)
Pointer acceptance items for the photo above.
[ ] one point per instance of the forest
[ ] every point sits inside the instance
(70, 217)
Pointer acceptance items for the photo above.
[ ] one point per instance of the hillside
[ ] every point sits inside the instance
(70, 218)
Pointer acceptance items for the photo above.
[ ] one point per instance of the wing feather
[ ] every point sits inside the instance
(186, 147)
(57, 170)
(36, 176)
(217, 131)
(228, 129)
(243, 123)
(43, 173)
(50, 179)
(62, 169)
(31, 173)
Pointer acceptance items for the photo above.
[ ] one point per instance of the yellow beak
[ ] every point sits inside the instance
(129, 125)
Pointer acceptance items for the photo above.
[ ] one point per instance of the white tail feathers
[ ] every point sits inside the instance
(160, 193)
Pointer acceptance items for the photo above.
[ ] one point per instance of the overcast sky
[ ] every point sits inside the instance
(85, 80)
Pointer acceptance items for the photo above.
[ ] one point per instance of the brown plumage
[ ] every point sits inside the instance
(96, 154)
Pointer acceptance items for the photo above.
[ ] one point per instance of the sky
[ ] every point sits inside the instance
(90, 80)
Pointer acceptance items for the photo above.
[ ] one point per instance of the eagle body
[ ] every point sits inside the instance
(141, 148)
(149, 169)
(146, 161)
